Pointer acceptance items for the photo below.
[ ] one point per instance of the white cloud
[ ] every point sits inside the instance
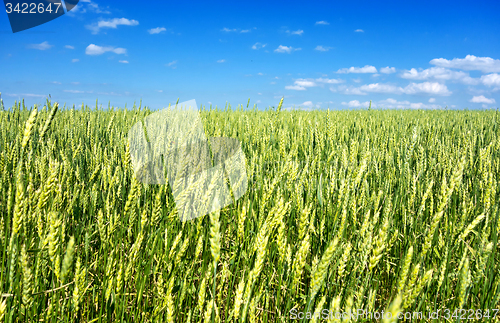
(322, 22)
(426, 88)
(245, 31)
(295, 87)
(470, 63)
(307, 104)
(357, 104)
(413, 88)
(439, 73)
(395, 104)
(123, 61)
(322, 48)
(159, 91)
(260, 74)
(93, 49)
(297, 32)
(302, 84)
(329, 81)
(27, 95)
(172, 64)
(359, 31)
(388, 70)
(285, 49)
(432, 100)
(228, 30)
(221, 61)
(258, 45)
(69, 47)
(74, 60)
(111, 23)
(379, 88)
(491, 79)
(74, 91)
(482, 99)
(365, 69)
(156, 30)
(75, 83)
(42, 46)
(55, 82)
(91, 6)
(350, 90)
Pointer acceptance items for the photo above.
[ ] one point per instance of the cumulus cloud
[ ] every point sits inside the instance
(322, 22)
(413, 88)
(322, 48)
(93, 49)
(285, 49)
(426, 88)
(379, 88)
(329, 81)
(395, 104)
(156, 30)
(359, 31)
(357, 104)
(42, 46)
(482, 99)
(470, 63)
(258, 45)
(491, 79)
(350, 90)
(81, 8)
(229, 30)
(307, 104)
(388, 70)
(69, 47)
(365, 69)
(305, 83)
(111, 23)
(297, 32)
(302, 84)
(439, 73)
(295, 87)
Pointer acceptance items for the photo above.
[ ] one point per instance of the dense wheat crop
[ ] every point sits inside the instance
(345, 210)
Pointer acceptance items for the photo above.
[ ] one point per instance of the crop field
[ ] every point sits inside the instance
(345, 211)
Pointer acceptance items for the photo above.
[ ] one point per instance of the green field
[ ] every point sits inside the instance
(345, 210)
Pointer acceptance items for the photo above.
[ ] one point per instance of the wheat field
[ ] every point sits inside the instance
(345, 210)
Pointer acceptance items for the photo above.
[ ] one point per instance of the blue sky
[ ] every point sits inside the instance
(418, 54)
